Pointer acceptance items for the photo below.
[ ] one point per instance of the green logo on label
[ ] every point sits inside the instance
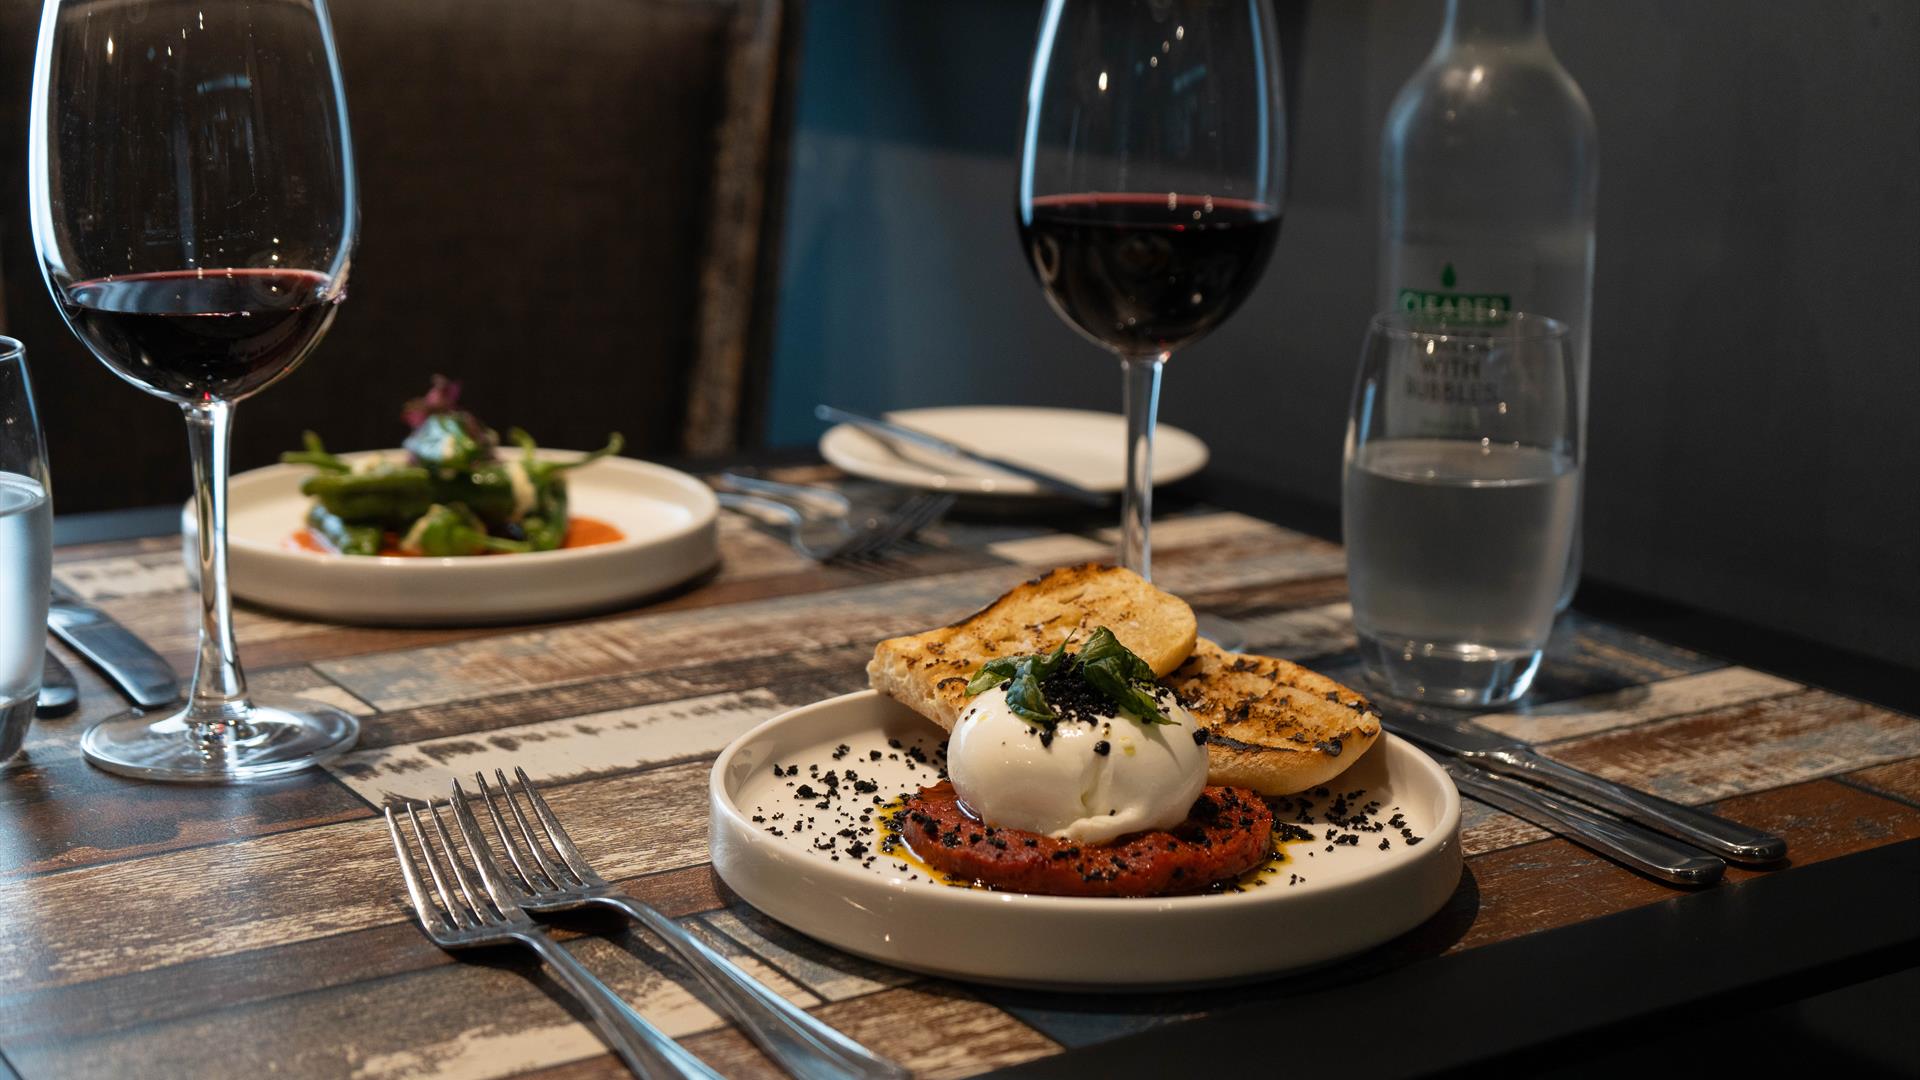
(1446, 276)
(1466, 307)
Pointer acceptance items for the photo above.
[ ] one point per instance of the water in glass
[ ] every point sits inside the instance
(1461, 495)
(26, 546)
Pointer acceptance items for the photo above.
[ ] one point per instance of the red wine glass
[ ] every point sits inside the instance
(1152, 171)
(192, 190)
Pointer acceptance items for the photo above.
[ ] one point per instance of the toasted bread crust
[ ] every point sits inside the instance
(928, 672)
(1273, 726)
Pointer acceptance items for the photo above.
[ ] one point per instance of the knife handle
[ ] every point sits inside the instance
(935, 443)
(1728, 839)
(59, 694)
(135, 668)
(1648, 852)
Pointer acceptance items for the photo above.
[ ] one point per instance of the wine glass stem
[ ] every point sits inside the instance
(218, 707)
(1142, 403)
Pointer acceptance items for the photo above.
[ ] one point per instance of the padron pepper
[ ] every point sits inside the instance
(453, 496)
(343, 538)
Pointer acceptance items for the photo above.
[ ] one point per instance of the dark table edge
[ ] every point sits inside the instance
(1544, 997)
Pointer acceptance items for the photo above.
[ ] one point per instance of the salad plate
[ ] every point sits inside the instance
(1082, 446)
(813, 855)
(665, 520)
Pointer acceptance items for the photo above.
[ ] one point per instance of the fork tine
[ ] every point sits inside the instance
(507, 840)
(870, 538)
(478, 908)
(562, 843)
(423, 906)
(923, 514)
(497, 885)
(913, 516)
(554, 876)
(926, 514)
(454, 911)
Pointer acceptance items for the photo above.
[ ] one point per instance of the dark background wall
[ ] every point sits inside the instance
(1755, 440)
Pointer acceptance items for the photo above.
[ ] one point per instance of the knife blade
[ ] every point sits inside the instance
(1516, 758)
(59, 694)
(131, 664)
(1640, 848)
(934, 442)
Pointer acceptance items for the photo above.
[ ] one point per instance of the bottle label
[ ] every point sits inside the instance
(1462, 307)
(1457, 306)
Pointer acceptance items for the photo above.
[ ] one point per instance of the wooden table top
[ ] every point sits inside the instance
(154, 930)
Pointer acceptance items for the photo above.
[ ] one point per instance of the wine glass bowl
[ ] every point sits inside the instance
(1152, 177)
(190, 175)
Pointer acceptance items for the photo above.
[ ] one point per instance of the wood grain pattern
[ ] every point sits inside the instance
(144, 925)
(1768, 743)
(360, 957)
(75, 925)
(1901, 780)
(1623, 708)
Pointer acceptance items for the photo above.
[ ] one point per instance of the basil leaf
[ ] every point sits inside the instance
(1123, 677)
(1044, 666)
(1104, 647)
(992, 674)
(1025, 700)
(1135, 697)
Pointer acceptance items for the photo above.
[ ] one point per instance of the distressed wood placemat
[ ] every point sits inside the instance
(168, 931)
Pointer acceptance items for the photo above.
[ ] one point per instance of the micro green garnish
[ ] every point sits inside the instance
(1106, 665)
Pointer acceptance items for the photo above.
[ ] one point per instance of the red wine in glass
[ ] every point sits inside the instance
(191, 187)
(193, 334)
(1152, 173)
(1147, 273)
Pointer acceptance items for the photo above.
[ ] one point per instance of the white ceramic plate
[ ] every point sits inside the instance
(667, 518)
(1349, 899)
(1088, 448)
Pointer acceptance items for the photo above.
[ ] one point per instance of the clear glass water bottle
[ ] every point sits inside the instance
(1488, 169)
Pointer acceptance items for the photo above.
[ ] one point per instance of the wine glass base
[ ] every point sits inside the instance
(1222, 631)
(289, 735)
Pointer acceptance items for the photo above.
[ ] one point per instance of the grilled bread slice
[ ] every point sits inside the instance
(1272, 726)
(928, 672)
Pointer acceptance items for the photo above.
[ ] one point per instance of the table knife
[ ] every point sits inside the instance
(1514, 757)
(130, 663)
(59, 694)
(1640, 848)
(933, 442)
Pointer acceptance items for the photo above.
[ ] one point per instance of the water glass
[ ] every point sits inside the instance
(26, 549)
(1462, 477)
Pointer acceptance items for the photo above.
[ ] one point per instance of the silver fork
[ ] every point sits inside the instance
(838, 539)
(467, 921)
(555, 877)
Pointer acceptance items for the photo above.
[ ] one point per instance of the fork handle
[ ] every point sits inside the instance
(803, 1045)
(647, 1050)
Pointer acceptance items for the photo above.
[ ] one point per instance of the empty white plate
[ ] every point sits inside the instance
(667, 519)
(1346, 899)
(1087, 448)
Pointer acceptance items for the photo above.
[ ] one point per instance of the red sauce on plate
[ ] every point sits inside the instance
(581, 532)
(1229, 832)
